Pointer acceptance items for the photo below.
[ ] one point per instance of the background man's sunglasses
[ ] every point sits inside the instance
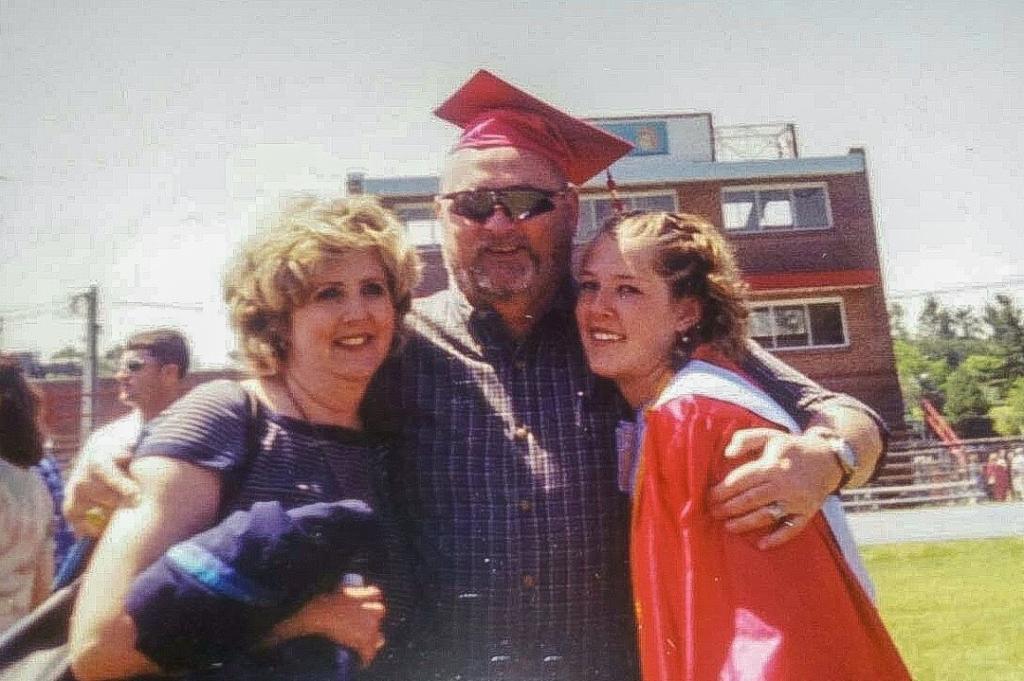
(133, 365)
(519, 203)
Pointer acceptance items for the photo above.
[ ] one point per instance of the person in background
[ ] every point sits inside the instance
(26, 510)
(661, 311)
(1017, 473)
(150, 377)
(49, 470)
(997, 476)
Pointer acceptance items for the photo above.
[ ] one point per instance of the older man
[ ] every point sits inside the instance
(149, 379)
(508, 473)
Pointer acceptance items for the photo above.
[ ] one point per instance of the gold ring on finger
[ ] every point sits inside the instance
(96, 518)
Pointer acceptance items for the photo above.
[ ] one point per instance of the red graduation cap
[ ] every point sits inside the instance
(493, 113)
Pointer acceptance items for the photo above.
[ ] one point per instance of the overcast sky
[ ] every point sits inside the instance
(140, 141)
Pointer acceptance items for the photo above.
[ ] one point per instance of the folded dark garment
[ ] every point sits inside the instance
(219, 593)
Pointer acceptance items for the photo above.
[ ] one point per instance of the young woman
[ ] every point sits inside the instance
(26, 510)
(661, 311)
(316, 302)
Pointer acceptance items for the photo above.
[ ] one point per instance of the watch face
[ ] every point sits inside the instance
(844, 453)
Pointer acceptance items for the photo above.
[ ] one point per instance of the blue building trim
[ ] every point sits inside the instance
(661, 170)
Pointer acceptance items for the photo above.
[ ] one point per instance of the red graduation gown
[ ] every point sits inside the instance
(711, 605)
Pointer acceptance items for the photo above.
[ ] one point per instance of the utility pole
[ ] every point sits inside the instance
(90, 365)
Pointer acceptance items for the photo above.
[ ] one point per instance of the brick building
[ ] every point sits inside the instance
(803, 229)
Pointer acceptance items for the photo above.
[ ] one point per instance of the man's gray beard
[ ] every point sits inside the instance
(478, 287)
(486, 288)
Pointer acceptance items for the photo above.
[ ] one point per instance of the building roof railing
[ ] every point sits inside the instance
(756, 142)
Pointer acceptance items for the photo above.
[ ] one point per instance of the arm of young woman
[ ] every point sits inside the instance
(176, 500)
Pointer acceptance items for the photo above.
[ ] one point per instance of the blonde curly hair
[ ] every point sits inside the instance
(271, 276)
(695, 260)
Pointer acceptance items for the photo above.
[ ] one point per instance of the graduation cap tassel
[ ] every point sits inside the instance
(617, 205)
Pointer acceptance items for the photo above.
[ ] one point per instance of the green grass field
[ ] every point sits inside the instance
(955, 609)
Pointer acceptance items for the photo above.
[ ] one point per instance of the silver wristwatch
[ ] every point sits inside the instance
(846, 457)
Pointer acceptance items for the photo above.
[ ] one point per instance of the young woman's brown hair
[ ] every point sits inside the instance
(21, 441)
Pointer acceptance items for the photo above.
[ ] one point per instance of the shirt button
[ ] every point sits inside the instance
(529, 581)
(525, 506)
(521, 433)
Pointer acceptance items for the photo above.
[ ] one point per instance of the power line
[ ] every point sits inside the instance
(60, 302)
(60, 307)
(1011, 283)
(192, 307)
(31, 314)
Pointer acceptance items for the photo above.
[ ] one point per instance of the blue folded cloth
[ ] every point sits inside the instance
(213, 596)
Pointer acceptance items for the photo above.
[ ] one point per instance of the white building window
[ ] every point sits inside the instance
(421, 223)
(755, 209)
(596, 208)
(799, 324)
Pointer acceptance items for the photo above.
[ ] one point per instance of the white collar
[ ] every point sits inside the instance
(702, 378)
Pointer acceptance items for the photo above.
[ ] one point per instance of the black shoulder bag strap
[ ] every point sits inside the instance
(252, 450)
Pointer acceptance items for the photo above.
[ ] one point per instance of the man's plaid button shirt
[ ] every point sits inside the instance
(506, 468)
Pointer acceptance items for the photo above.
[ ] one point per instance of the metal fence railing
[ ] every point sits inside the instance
(930, 474)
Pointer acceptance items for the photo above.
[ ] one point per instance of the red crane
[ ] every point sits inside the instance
(942, 428)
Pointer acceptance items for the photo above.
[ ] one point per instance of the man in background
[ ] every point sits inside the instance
(149, 378)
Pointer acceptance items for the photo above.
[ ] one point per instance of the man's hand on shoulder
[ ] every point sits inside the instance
(98, 483)
(781, 489)
(787, 484)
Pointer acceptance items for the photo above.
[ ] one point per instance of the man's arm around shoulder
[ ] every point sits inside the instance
(842, 443)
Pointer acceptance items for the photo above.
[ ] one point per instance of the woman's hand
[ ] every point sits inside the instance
(351, 616)
(99, 480)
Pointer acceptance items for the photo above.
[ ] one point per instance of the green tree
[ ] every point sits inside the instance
(919, 376)
(962, 362)
(68, 352)
(964, 396)
(1006, 325)
(1008, 418)
(109, 360)
(949, 335)
(970, 395)
(898, 321)
(986, 368)
(966, 324)
(935, 321)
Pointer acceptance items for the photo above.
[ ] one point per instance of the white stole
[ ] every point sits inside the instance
(701, 378)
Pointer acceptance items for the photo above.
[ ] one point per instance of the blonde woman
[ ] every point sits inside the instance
(317, 302)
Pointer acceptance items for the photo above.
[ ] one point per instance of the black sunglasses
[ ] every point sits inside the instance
(134, 365)
(519, 203)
